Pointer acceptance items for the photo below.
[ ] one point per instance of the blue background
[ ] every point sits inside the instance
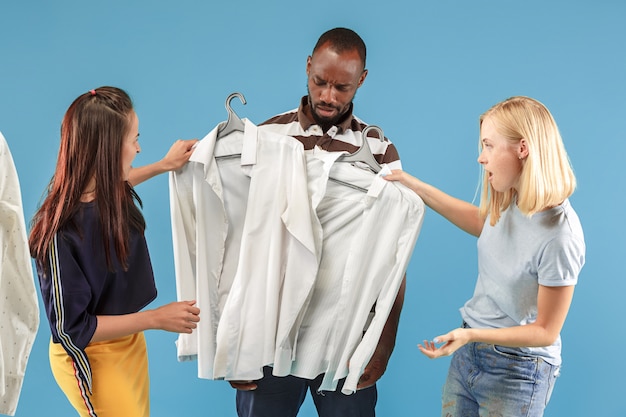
(434, 67)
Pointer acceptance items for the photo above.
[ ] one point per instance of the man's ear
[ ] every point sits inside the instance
(362, 78)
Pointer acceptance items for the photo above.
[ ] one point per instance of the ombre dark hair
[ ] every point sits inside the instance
(92, 133)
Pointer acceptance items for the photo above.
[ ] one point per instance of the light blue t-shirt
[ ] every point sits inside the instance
(514, 257)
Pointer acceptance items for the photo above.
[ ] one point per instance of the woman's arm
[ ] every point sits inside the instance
(176, 157)
(552, 306)
(179, 317)
(460, 213)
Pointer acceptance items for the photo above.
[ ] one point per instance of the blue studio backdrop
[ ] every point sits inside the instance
(434, 67)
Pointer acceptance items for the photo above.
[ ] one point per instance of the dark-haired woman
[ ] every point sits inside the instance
(94, 269)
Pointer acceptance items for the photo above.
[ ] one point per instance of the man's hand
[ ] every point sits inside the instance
(378, 363)
(375, 368)
(243, 385)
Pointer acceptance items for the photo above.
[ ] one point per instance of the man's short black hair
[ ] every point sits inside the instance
(341, 40)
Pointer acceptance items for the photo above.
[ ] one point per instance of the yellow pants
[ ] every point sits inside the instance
(119, 367)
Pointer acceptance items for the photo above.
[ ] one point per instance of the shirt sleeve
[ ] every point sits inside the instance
(184, 243)
(561, 261)
(391, 156)
(67, 295)
(18, 304)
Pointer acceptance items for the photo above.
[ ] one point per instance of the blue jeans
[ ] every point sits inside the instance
(488, 380)
(283, 396)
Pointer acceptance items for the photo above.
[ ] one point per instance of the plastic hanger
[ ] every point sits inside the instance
(364, 154)
(233, 123)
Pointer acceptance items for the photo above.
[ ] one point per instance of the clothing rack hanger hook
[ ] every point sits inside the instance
(230, 98)
(364, 154)
(233, 122)
(378, 130)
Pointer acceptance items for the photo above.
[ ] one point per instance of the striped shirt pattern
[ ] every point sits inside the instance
(78, 355)
(346, 136)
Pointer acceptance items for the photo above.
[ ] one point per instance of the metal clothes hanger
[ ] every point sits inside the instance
(233, 123)
(364, 154)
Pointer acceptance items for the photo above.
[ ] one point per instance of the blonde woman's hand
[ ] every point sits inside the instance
(452, 341)
(405, 179)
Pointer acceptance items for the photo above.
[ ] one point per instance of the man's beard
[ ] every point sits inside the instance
(325, 122)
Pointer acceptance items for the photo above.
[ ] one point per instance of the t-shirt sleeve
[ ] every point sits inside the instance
(69, 297)
(391, 155)
(67, 294)
(561, 261)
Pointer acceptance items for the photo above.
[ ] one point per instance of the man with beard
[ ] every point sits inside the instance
(335, 70)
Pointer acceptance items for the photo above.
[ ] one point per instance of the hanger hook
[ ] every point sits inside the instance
(230, 98)
(381, 135)
(233, 122)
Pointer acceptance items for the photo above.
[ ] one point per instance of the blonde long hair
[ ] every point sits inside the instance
(547, 177)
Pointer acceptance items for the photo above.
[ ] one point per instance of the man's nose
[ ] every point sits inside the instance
(327, 95)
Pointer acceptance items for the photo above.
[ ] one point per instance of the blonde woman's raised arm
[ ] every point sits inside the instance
(460, 213)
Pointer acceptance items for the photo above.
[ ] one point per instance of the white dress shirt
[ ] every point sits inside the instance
(246, 249)
(19, 307)
(370, 227)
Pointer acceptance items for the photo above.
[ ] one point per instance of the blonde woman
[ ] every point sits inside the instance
(507, 353)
